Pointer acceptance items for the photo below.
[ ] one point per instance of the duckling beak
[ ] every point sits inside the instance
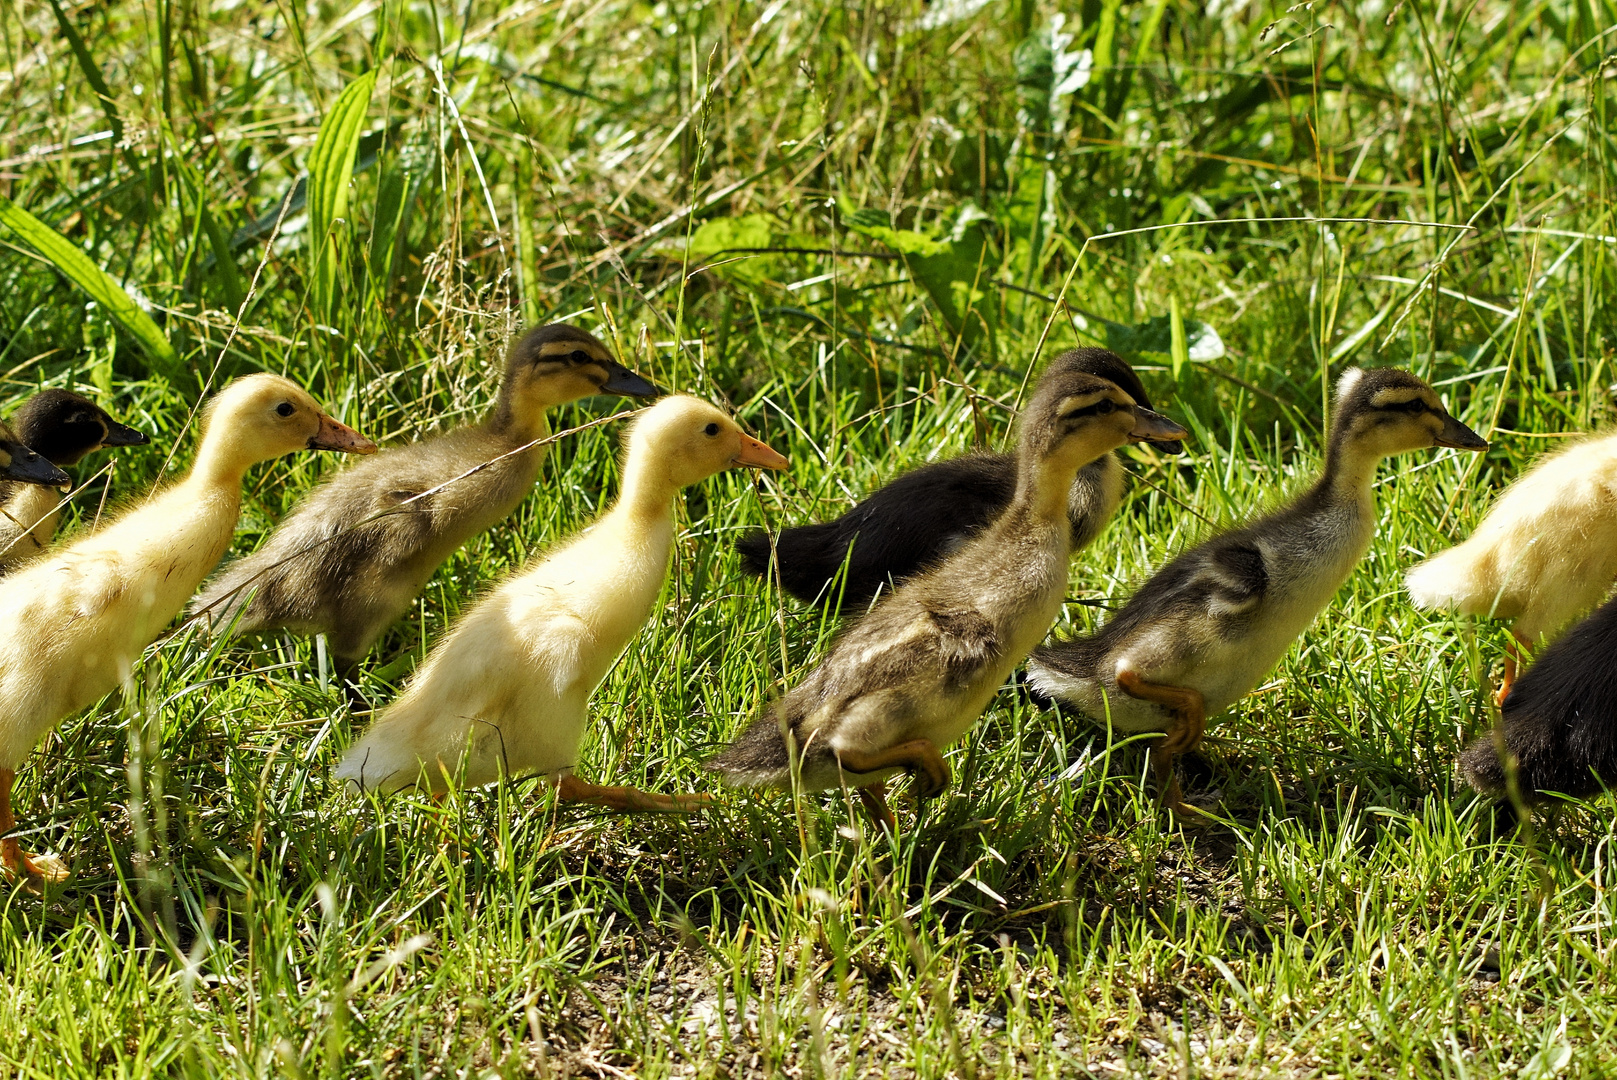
(759, 456)
(18, 462)
(1459, 436)
(620, 380)
(123, 435)
(340, 437)
(1152, 426)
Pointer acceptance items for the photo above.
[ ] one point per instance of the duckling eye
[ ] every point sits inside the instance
(711, 429)
(1105, 407)
(284, 409)
(580, 357)
(1413, 405)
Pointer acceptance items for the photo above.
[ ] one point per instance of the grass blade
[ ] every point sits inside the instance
(331, 167)
(78, 268)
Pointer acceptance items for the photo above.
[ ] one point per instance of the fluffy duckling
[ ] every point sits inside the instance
(1201, 633)
(1560, 719)
(78, 618)
(506, 691)
(64, 428)
(19, 463)
(910, 523)
(322, 572)
(914, 674)
(1545, 553)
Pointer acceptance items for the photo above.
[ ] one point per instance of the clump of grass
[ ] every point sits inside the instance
(859, 228)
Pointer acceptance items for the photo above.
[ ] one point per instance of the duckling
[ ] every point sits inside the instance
(907, 525)
(913, 675)
(1201, 633)
(77, 619)
(1559, 720)
(19, 463)
(64, 428)
(506, 691)
(1545, 553)
(335, 567)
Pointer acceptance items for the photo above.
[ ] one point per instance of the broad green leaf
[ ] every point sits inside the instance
(954, 271)
(78, 268)
(331, 167)
(719, 240)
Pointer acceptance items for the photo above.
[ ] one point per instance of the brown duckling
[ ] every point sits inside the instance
(335, 567)
(913, 675)
(1201, 633)
(64, 428)
(908, 524)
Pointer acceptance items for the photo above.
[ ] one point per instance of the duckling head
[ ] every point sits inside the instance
(18, 462)
(681, 440)
(1108, 365)
(64, 427)
(1384, 411)
(555, 364)
(1075, 417)
(265, 416)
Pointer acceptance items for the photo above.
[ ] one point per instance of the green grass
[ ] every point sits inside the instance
(1354, 911)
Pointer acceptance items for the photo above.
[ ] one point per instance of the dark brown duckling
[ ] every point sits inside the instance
(1560, 719)
(63, 428)
(919, 518)
(913, 675)
(321, 572)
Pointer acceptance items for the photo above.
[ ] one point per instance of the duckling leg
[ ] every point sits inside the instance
(874, 799)
(1516, 649)
(346, 668)
(1190, 724)
(627, 799)
(13, 858)
(919, 758)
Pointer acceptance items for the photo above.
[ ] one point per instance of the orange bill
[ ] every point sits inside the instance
(341, 437)
(759, 456)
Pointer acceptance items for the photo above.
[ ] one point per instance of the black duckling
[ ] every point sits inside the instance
(913, 675)
(1560, 719)
(321, 572)
(1201, 633)
(64, 428)
(910, 523)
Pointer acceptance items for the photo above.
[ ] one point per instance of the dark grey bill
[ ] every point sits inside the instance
(620, 380)
(1459, 436)
(29, 467)
(1155, 427)
(123, 435)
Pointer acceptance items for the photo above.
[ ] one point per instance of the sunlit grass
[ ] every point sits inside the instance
(1349, 910)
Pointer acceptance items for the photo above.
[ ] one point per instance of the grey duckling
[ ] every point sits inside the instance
(914, 674)
(335, 567)
(63, 428)
(1202, 632)
(908, 524)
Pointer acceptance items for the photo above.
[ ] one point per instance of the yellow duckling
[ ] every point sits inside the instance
(78, 618)
(1545, 554)
(505, 692)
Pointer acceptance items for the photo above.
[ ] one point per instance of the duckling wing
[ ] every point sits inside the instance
(966, 640)
(1234, 578)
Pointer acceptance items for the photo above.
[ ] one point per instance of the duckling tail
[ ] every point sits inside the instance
(1463, 578)
(807, 560)
(757, 758)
